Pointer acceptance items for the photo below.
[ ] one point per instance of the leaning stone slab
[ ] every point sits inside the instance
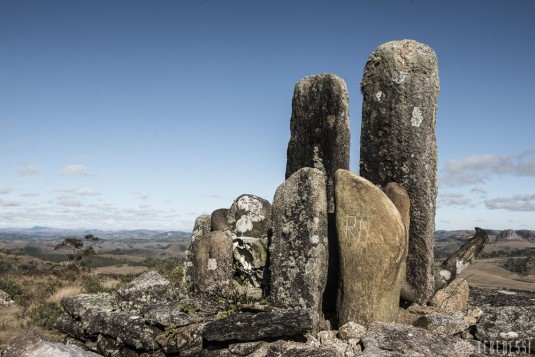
(148, 288)
(412, 341)
(373, 243)
(319, 126)
(31, 344)
(299, 246)
(212, 264)
(398, 141)
(250, 216)
(453, 297)
(247, 326)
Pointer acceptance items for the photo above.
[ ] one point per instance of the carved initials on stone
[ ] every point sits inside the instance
(357, 227)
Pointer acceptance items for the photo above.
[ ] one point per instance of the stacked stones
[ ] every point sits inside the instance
(337, 244)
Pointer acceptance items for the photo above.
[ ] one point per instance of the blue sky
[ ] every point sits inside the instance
(145, 114)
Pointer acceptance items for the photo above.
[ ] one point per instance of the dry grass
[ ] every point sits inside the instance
(486, 273)
(65, 291)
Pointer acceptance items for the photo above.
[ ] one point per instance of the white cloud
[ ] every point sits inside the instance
(27, 170)
(453, 199)
(478, 169)
(515, 203)
(4, 203)
(68, 202)
(81, 191)
(30, 194)
(75, 170)
(4, 190)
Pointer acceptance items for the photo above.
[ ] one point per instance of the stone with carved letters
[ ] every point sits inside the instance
(372, 242)
(299, 247)
(398, 142)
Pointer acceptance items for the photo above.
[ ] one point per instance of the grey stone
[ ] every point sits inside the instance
(247, 326)
(70, 326)
(245, 348)
(202, 226)
(5, 299)
(250, 258)
(219, 220)
(351, 331)
(398, 142)
(299, 247)
(31, 344)
(446, 324)
(297, 349)
(167, 314)
(213, 268)
(404, 340)
(78, 306)
(149, 287)
(185, 339)
(507, 323)
(373, 242)
(250, 216)
(319, 125)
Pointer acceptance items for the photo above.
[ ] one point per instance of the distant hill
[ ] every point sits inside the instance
(494, 235)
(48, 233)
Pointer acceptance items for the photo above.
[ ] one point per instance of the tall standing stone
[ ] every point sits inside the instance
(373, 242)
(398, 142)
(319, 126)
(299, 246)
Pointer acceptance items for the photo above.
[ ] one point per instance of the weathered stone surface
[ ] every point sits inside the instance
(398, 141)
(400, 198)
(507, 323)
(250, 258)
(351, 331)
(319, 126)
(212, 264)
(412, 341)
(296, 349)
(70, 326)
(446, 324)
(247, 326)
(149, 287)
(168, 313)
(31, 344)
(219, 220)
(111, 347)
(79, 305)
(373, 242)
(202, 226)
(452, 298)
(299, 247)
(250, 216)
(182, 339)
(245, 348)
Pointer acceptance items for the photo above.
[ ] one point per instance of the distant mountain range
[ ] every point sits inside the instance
(47, 233)
(494, 235)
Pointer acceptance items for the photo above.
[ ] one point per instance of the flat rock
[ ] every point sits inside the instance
(446, 324)
(31, 344)
(185, 339)
(168, 313)
(149, 287)
(506, 323)
(78, 305)
(247, 326)
(408, 340)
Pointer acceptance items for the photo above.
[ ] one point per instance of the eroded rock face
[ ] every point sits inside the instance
(250, 258)
(398, 142)
(219, 220)
(454, 297)
(299, 247)
(213, 267)
(507, 323)
(250, 216)
(373, 242)
(320, 136)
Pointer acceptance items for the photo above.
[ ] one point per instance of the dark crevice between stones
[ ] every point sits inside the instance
(330, 295)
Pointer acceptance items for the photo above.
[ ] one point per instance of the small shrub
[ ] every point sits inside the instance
(45, 314)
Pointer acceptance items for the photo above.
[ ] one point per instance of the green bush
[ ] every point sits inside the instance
(45, 314)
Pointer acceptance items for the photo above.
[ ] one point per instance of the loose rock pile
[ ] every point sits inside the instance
(321, 271)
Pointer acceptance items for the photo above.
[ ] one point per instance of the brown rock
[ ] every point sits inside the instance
(452, 298)
(219, 220)
(372, 242)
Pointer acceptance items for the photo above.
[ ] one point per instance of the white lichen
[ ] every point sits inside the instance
(379, 95)
(317, 160)
(460, 265)
(212, 264)
(417, 117)
(315, 239)
(445, 274)
(511, 335)
(399, 77)
(254, 213)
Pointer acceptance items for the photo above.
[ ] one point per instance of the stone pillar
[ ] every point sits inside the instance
(398, 142)
(373, 242)
(319, 127)
(299, 247)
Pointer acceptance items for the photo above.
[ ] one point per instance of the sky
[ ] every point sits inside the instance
(145, 114)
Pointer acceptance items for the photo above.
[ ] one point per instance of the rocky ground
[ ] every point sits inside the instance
(148, 317)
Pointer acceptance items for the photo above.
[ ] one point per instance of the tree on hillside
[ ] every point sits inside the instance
(74, 250)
